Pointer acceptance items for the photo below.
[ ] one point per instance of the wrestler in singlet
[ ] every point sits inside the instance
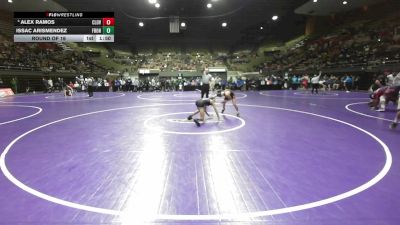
(383, 96)
(229, 96)
(201, 105)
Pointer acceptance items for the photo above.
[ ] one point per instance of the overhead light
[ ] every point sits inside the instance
(344, 2)
(315, 0)
(224, 24)
(152, 1)
(183, 24)
(157, 5)
(141, 24)
(209, 5)
(9, 1)
(261, 28)
(275, 17)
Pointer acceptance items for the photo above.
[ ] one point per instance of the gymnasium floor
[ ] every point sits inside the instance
(292, 158)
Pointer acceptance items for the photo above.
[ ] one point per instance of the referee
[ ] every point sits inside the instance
(205, 80)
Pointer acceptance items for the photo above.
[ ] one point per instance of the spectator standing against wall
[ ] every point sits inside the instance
(2, 85)
(45, 85)
(356, 82)
(135, 84)
(348, 82)
(295, 82)
(14, 85)
(50, 85)
(336, 83)
(212, 84)
(304, 81)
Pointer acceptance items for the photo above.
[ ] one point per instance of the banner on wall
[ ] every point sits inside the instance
(5, 92)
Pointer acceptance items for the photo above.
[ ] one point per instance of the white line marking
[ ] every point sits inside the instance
(148, 126)
(322, 94)
(197, 187)
(23, 95)
(363, 114)
(22, 118)
(208, 120)
(75, 96)
(186, 96)
(67, 100)
(219, 217)
(307, 97)
(162, 98)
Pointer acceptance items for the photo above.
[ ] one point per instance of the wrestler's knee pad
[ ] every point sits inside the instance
(382, 102)
(398, 103)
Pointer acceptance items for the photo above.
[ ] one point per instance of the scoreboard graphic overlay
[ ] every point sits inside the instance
(64, 26)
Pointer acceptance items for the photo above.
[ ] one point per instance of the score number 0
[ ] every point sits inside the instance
(108, 21)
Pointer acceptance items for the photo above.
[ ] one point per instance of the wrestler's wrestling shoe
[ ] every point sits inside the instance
(196, 121)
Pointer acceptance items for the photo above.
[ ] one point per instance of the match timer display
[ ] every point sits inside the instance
(64, 26)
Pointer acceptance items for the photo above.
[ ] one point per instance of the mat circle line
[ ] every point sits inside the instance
(146, 124)
(363, 114)
(217, 217)
(308, 97)
(184, 121)
(24, 95)
(76, 100)
(178, 100)
(75, 96)
(185, 96)
(310, 94)
(22, 118)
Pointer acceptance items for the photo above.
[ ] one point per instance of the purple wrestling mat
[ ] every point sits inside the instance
(292, 158)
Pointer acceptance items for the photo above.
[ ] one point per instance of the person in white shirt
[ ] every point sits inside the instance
(50, 85)
(390, 79)
(67, 90)
(396, 80)
(212, 84)
(205, 80)
(315, 83)
(135, 84)
(90, 82)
